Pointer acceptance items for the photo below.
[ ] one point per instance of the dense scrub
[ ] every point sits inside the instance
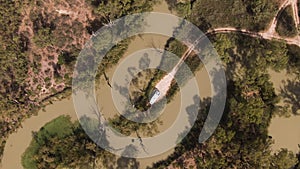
(14, 98)
(253, 15)
(40, 41)
(241, 139)
(62, 143)
(286, 25)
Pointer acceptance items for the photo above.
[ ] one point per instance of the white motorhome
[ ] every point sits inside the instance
(155, 96)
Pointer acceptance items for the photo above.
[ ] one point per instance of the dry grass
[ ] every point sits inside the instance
(72, 27)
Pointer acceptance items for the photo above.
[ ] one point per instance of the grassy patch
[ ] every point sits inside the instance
(59, 127)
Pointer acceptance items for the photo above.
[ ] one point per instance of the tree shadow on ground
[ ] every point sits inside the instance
(130, 163)
(94, 25)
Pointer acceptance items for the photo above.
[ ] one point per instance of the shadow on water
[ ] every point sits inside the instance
(290, 92)
(144, 62)
(206, 121)
(124, 162)
(92, 127)
(191, 140)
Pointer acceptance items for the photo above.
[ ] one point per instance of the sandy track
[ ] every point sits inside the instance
(264, 35)
(295, 12)
(13, 157)
(272, 27)
(164, 85)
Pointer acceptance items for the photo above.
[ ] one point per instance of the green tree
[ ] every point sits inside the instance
(283, 159)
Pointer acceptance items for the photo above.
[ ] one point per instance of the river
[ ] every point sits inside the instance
(284, 131)
(20, 140)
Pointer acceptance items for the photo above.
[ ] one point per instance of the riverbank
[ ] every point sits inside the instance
(19, 141)
(284, 130)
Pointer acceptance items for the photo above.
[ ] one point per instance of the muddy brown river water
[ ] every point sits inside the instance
(285, 131)
(19, 141)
